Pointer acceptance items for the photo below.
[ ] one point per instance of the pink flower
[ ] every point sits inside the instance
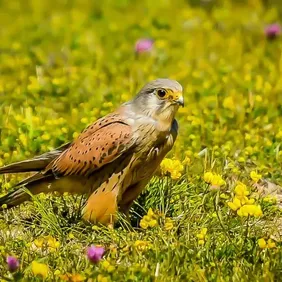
(13, 263)
(94, 253)
(144, 45)
(272, 31)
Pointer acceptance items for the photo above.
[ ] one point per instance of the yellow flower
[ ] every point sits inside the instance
(7, 185)
(235, 204)
(266, 245)
(75, 135)
(214, 179)
(141, 245)
(248, 201)
(172, 167)
(148, 220)
(201, 236)
(241, 190)
(208, 176)
(186, 161)
(71, 236)
(257, 211)
(107, 266)
(144, 224)
(168, 224)
(255, 176)
(252, 210)
(64, 130)
(39, 269)
(270, 244)
(23, 139)
(101, 278)
(204, 231)
(228, 103)
(52, 242)
(241, 159)
(48, 242)
(38, 243)
(150, 213)
(262, 244)
(279, 135)
(6, 155)
(57, 272)
(242, 212)
(217, 180)
(107, 105)
(125, 97)
(46, 137)
(152, 223)
(72, 277)
(201, 242)
(242, 204)
(84, 120)
(34, 85)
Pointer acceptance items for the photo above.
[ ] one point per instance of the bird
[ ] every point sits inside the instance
(112, 160)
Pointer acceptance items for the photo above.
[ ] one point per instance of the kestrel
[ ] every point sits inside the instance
(112, 160)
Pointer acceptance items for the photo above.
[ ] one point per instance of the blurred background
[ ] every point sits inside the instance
(63, 64)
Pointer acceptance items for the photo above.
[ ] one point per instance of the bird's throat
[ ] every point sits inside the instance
(165, 119)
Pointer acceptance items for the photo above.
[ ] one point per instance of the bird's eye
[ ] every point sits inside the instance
(161, 93)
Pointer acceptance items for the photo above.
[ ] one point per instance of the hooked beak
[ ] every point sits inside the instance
(180, 101)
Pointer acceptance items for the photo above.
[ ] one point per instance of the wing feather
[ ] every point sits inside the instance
(101, 143)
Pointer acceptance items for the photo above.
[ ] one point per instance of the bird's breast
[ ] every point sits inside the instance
(151, 153)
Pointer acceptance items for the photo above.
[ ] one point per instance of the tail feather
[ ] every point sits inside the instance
(34, 178)
(13, 198)
(35, 184)
(36, 164)
(46, 183)
(25, 166)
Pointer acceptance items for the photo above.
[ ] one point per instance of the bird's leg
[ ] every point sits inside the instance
(101, 207)
(130, 194)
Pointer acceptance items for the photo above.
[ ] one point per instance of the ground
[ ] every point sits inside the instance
(206, 215)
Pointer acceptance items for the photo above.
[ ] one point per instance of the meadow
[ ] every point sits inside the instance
(213, 211)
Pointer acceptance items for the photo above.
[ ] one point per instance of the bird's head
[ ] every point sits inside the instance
(160, 99)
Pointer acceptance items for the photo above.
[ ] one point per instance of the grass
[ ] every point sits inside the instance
(66, 63)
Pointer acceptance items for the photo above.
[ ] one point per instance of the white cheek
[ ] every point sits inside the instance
(154, 103)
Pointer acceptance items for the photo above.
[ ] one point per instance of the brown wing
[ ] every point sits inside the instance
(101, 143)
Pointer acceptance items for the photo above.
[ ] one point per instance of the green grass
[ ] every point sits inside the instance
(66, 63)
